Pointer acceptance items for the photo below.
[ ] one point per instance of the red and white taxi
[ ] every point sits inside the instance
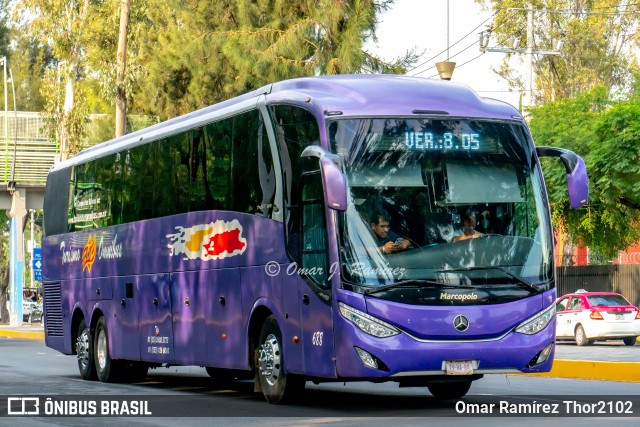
(595, 316)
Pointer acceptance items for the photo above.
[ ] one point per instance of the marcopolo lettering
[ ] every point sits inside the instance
(458, 297)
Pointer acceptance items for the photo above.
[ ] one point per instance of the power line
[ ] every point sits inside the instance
(452, 56)
(461, 65)
(472, 44)
(448, 47)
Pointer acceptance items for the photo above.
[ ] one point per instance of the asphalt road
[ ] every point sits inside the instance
(607, 351)
(28, 368)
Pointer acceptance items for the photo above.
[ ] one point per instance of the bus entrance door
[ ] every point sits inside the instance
(156, 323)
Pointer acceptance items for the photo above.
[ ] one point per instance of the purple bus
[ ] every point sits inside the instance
(344, 228)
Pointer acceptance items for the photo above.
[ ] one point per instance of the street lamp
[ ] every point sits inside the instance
(445, 69)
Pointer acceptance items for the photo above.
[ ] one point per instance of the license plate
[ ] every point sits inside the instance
(619, 316)
(459, 367)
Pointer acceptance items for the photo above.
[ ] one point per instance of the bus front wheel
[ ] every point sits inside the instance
(449, 390)
(106, 368)
(277, 386)
(84, 352)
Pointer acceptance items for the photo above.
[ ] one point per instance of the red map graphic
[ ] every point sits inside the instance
(228, 241)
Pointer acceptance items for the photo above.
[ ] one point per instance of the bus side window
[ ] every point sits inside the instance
(296, 129)
(313, 247)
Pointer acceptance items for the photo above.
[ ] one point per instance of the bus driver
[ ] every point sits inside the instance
(387, 241)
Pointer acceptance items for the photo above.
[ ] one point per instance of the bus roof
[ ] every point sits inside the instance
(392, 95)
(355, 95)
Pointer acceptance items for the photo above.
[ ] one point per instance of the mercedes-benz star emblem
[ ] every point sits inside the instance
(461, 323)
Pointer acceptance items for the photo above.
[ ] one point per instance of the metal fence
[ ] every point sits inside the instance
(622, 279)
(26, 156)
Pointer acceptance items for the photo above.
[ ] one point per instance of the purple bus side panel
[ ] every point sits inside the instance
(226, 342)
(125, 332)
(156, 324)
(259, 288)
(140, 254)
(188, 298)
(291, 326)
(317, 333)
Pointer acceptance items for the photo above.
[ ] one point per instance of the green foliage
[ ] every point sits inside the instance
(607, 138)
(232, 47)
(4, 27)
(600, 45)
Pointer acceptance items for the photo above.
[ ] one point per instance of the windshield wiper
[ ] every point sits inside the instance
(521, 283)
(413, 283)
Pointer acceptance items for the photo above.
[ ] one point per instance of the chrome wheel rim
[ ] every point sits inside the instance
(580, 335)
(269, 360)
(82, 349)
(101, 349)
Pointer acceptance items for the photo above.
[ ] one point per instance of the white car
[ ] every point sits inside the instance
(596, 316)
(31, 311)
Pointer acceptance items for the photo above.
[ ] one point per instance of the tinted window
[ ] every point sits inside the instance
(313, 230)
(252, 166)
(602, 300)
(226, 165)
(218, 139)
(295, 129)
(56, 202)
(138, 183)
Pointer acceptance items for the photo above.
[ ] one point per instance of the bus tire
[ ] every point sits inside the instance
(84, 352)
(449, 390)
(277, 386)
(629, 340)
(106, 368)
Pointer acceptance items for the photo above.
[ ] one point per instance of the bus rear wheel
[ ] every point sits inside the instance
(84, 352)
(449, 390)
(629, 340)
(277, 386)
(106, 368)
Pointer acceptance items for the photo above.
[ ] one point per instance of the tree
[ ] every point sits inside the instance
(4, 27)
(61, 26)
(605, 133)
(231, 47)
(121, 60)
(600, 41)
(4, 265)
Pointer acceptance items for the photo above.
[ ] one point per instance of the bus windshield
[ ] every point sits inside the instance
(443, 201)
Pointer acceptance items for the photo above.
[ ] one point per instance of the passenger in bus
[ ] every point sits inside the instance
(468, 230)
(387, 241)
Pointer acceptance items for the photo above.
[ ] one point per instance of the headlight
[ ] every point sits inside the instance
(535, 324)
(367, 323)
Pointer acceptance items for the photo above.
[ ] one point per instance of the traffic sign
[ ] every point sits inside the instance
(36, 264)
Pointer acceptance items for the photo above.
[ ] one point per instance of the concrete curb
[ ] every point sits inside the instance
(594, 370)
(22, 335)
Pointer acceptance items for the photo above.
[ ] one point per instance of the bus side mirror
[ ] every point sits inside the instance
(334, 182)
(577, 179)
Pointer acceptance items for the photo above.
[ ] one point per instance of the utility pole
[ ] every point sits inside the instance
(6, 121)
(529, 51)
(121, 96)
(529, 89)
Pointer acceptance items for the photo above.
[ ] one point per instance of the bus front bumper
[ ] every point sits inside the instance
(403, 356)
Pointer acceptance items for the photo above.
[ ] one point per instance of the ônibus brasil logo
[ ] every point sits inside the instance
(215, 240)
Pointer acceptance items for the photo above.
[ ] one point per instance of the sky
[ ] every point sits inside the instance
(423, 24)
